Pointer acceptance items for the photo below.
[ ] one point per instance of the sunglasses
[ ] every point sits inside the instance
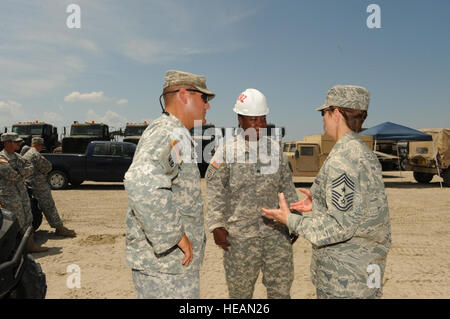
(331, 109)
(205, 97)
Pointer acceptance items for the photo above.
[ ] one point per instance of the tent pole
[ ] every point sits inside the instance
(437, 165)
(398, 160)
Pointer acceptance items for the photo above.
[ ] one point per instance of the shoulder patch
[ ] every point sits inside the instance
(342, 191)
(216, 163)
(2, 160)
(172, 156)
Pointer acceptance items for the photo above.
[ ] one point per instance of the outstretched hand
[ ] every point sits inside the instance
(304, 205)
(279, 214)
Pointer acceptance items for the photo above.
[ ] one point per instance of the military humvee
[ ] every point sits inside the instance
(81, 134)
(423, 156)
(306, 157)
(133, 132)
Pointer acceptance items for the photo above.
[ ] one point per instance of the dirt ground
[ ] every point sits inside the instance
(418, 263)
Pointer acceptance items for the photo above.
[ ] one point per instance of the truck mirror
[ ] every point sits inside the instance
(55, 130)
(283, 132)
(64, 131)
(297, 154)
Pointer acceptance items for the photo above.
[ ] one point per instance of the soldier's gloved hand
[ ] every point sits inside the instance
(293, 238)
(220, 238)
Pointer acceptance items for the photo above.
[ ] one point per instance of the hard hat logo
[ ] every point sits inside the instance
(242, 97)
(251, 102)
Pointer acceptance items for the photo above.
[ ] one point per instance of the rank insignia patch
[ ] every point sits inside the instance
(342, 192)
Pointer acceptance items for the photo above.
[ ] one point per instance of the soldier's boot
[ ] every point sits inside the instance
(61, 230)
(33, 247)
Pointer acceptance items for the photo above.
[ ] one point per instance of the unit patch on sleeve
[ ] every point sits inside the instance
(172, 156)
(342, 191)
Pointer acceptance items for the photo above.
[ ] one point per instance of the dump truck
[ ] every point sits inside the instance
(28, 130)
(306, 157)
(133, 132)
(430, 158)
(81, 134)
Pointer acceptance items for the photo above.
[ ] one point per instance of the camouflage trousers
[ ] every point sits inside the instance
(156, 285)
(20, 206)
(47, 204)
(246, 257)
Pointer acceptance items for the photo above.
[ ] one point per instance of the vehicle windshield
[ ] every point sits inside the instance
(95, 130)
(28, 129)
(134, 130)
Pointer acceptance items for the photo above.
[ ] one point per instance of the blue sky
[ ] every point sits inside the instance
(112, 68)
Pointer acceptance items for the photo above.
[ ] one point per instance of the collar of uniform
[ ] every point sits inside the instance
(345, 139)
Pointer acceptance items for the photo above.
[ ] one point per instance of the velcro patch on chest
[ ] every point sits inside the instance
(343, 190)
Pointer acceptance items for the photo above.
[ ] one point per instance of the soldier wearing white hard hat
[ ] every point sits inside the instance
(235, 193)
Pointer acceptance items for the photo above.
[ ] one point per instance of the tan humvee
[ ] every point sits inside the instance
(306, 157)
(422, 156)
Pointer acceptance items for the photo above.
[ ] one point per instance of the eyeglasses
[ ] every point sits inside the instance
(331, 109)
(205, 97)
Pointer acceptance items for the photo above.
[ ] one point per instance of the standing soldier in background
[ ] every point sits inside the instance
(236, 190)
(348, 224)
(41, 188)
(13, 193)
(165, 239)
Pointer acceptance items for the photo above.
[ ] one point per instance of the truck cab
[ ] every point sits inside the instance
(28, 130)
(133, 132)
(81, 134)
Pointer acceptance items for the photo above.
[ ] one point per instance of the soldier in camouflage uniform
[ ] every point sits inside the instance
(41, 188)
(245, 175)
(13, 193)
(165, 238)
(346, 216)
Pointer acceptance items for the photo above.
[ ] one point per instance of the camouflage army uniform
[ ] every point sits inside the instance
(13, 193)
(40, 187)
(235, 193)
(164, 202)
(349, 225)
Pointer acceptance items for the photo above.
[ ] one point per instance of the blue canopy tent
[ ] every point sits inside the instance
(392, 131)
(396, 132)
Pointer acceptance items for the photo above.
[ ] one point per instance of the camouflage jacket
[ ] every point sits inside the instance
(42, 167)
(349, 225)
(164, 200)
(238, 185)
(14, 169)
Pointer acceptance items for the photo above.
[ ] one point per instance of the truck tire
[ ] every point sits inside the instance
(423, 178)
(58, 180)
(446, 177)
(33, 284)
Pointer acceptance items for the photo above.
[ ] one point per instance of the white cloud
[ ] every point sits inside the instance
(113, 119)
(122, 101)
(92, 97)
(11, 112)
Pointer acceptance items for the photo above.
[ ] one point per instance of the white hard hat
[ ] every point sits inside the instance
(251, 102)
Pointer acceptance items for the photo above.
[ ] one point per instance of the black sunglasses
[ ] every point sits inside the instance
(331, 108)
(205, 97)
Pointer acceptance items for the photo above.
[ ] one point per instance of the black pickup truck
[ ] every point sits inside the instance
(104, 161)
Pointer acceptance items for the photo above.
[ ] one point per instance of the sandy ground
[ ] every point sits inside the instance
(418, 264)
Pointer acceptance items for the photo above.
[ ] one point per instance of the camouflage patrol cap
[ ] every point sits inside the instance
(349, 96)
(12, 137)
(37, 140)
(174, 77)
